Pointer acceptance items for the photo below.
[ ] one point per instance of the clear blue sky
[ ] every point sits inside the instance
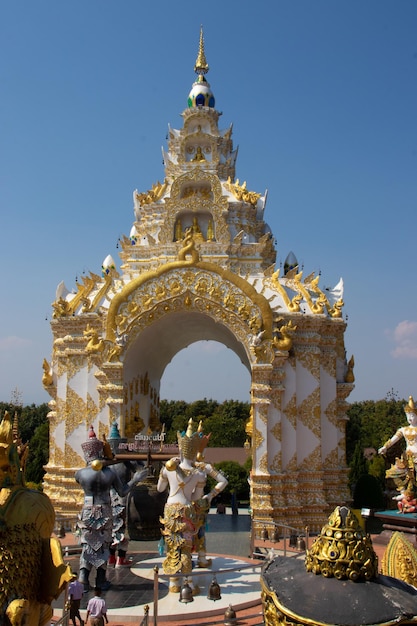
(323, 98)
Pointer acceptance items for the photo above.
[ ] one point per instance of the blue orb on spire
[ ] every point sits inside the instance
(201, 94)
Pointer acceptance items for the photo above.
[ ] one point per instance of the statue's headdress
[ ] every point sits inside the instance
(204, 439)
(6, 438)
(93, 447)
(409, 407)
(115, 439)
(9, 456)
(189, 442)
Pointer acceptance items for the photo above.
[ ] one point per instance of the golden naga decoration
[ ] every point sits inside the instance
(342, 550)
(303, 292)
(400, 560)
(95, 343)
(350, 376)
(240, 192)
(61, 308)
(285, 341)
(47, 379)
(153, 195)
(188, 248)
(32, 571)
(336, 310)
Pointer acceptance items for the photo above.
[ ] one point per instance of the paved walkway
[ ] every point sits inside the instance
(228, 543)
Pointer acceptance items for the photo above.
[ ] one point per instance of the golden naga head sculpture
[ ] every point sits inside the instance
(343, 550)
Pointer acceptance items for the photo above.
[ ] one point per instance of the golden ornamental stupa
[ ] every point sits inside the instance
(199, 263)
(337, 584)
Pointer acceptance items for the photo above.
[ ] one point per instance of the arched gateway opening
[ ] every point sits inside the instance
(153, 349)
(206, 369)
(199, 263)
(157, 348)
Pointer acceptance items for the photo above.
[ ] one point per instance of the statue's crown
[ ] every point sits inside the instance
(6, 436)
(409, 407)
(93, 447)
(189, 442)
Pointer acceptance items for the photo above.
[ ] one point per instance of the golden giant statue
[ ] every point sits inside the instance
(404, 470)
(32, 571)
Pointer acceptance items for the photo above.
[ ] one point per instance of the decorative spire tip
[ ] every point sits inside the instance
(201, 65)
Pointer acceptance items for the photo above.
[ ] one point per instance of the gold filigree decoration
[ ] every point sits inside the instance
(217, 206)
(290, 411)
(276, 465)
(331, 412)
(257, 439)
(153, 195)
(220, 280)
(292, 464)
(343, 550)
(262, 411)
(400, 559)
(313, 461)
(275, 395)
(309, 412)
(240, 192)
(59, 415)
(263, 463)
(332, 459)
(72, 458)
(92, 409)
(276, 430)
(328, 362)
(72, 365)
(309, 357)
(75, 411)
(59, 456)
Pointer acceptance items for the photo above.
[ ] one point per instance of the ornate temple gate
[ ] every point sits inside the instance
(199, 264)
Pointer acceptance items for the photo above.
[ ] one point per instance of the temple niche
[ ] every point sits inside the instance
(199, 263)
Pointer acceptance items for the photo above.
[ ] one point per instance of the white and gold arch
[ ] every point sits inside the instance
(199, 263)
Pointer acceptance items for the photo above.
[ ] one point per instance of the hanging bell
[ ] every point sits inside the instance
(301, 544)
(230, 616)
(186, 593)
(214, 591)
(293, 540)
(275, 534)
(264, 533)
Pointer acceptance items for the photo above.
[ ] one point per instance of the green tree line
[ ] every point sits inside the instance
(370, 424)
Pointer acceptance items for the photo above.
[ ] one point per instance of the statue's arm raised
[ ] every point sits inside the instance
(398, 435)
(123, 489)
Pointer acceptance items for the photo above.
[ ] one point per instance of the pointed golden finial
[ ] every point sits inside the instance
(201, 65)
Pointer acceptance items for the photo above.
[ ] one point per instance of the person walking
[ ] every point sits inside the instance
(96, 609)
(75, 593)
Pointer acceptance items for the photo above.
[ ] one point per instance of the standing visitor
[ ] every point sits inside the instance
(96, 609)
(75, 593)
